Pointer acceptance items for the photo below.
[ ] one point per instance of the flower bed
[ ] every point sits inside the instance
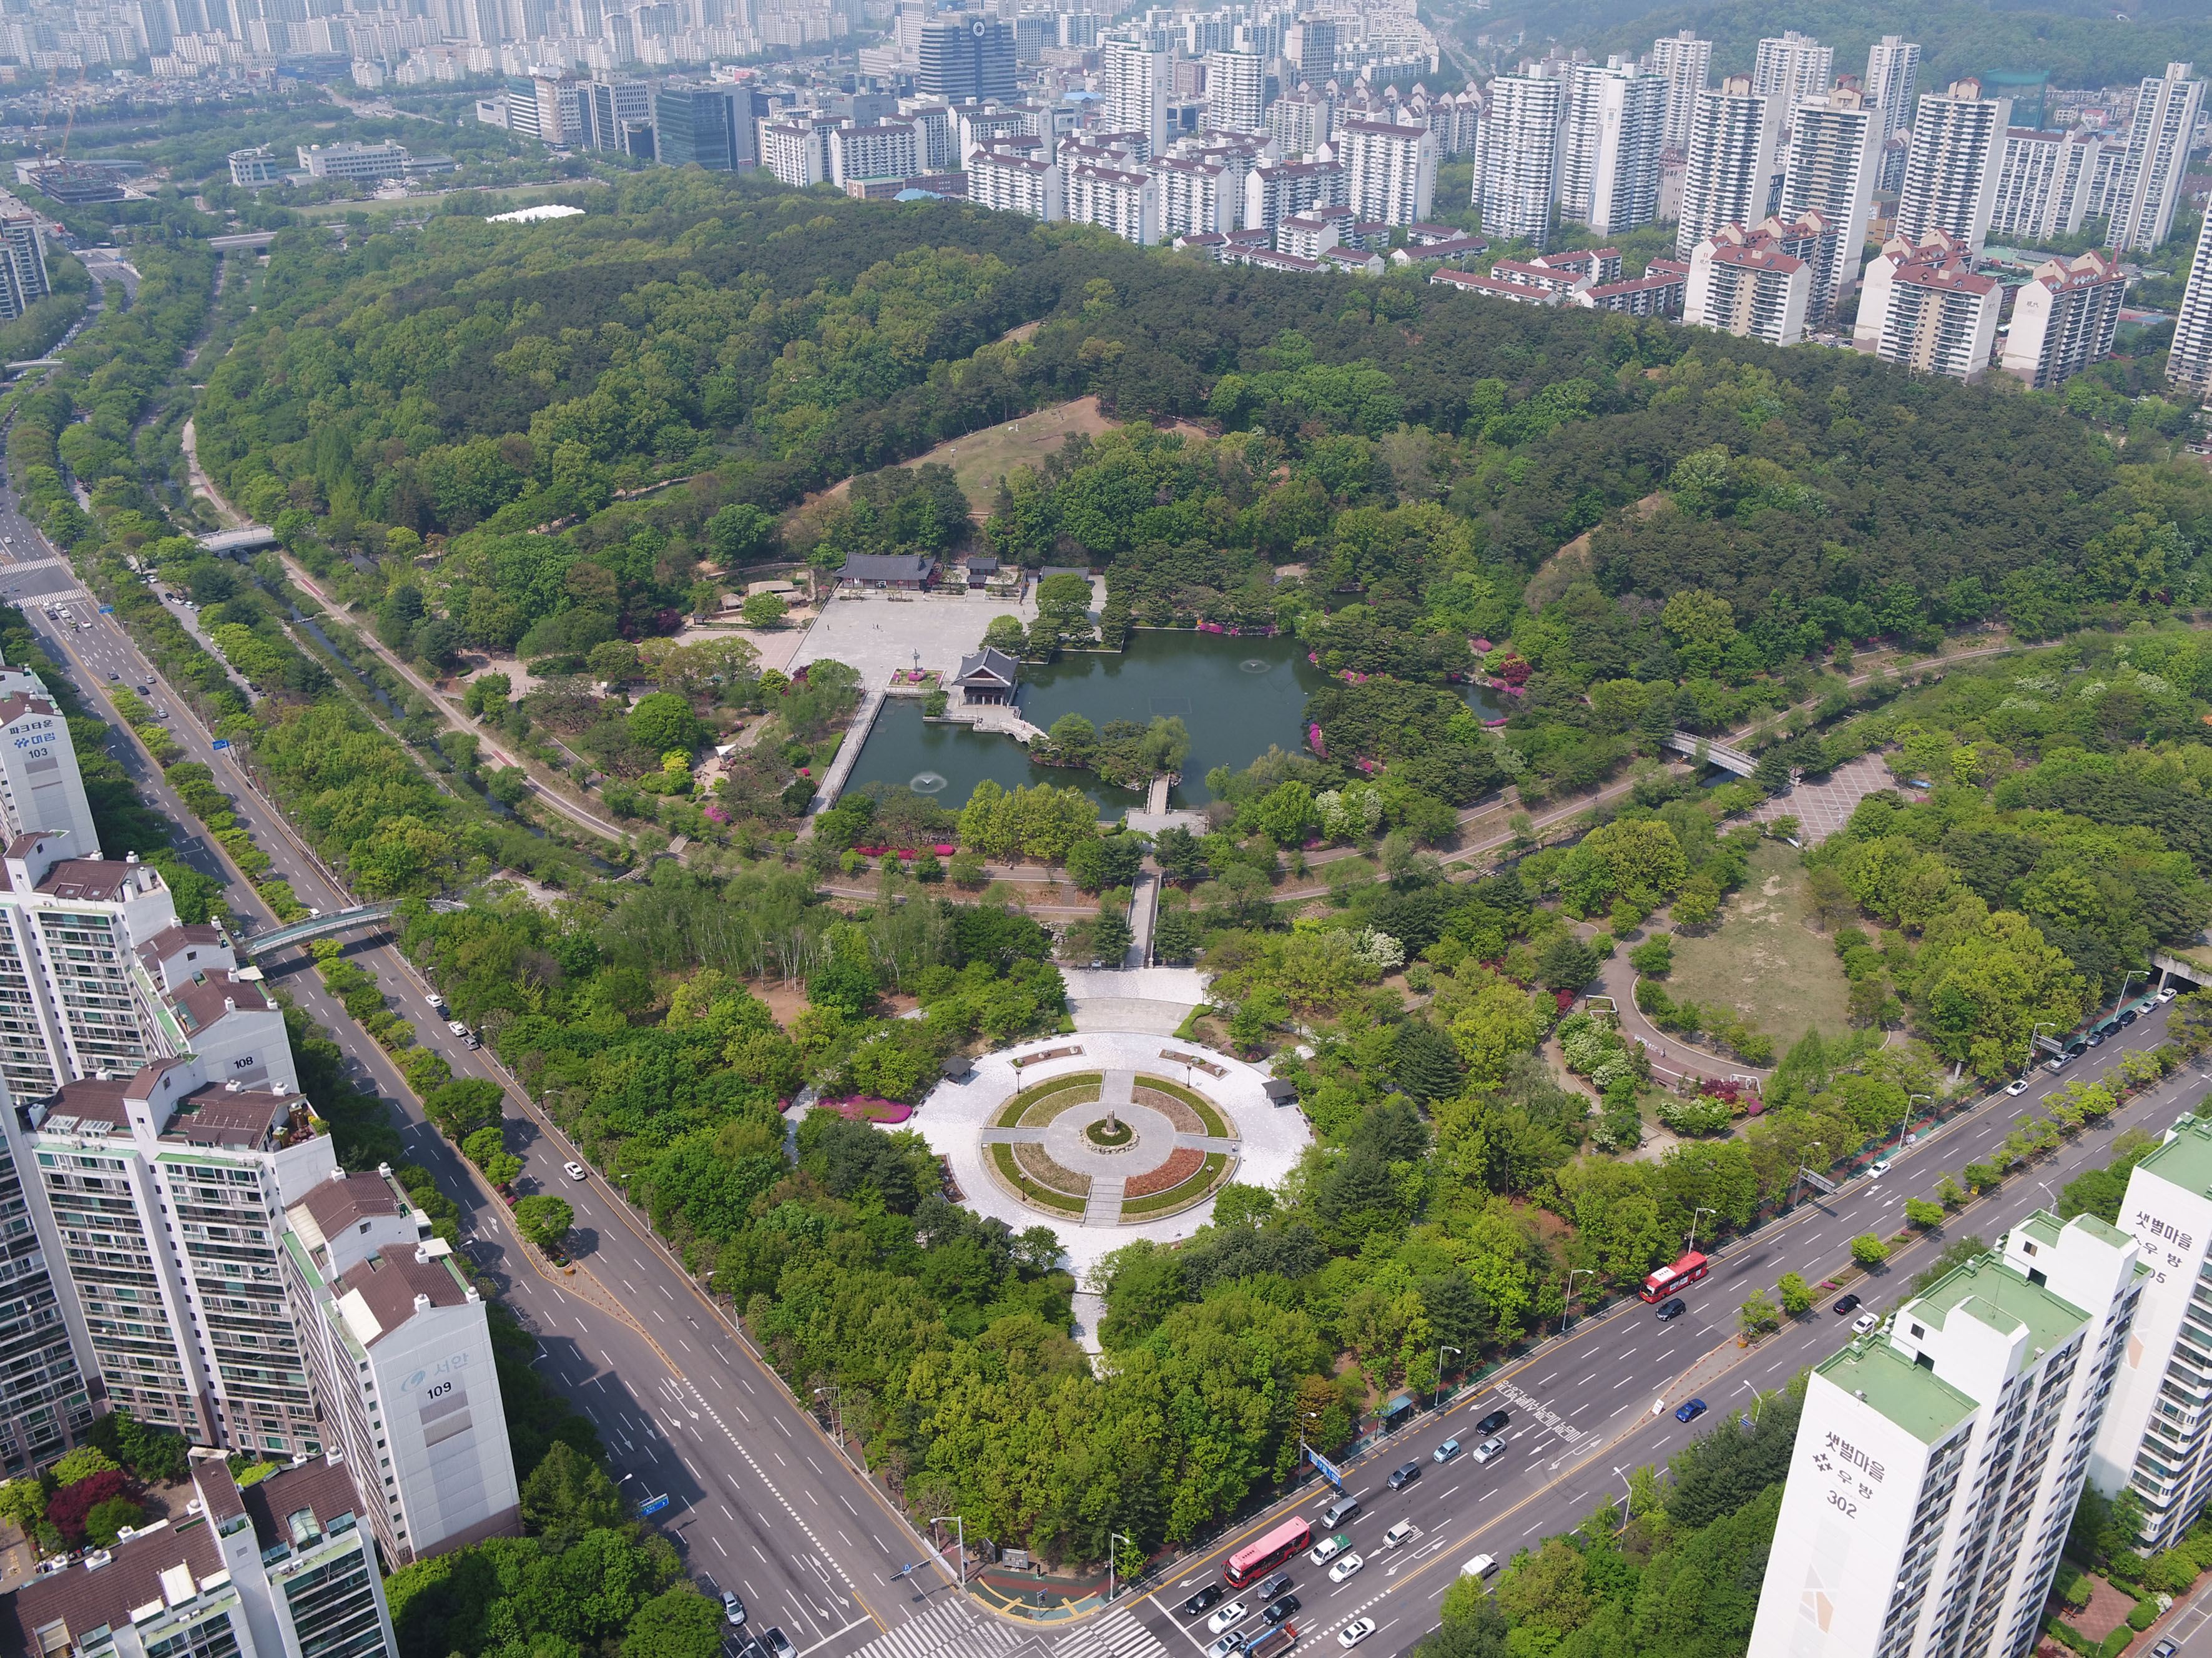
(868, 1109)
(1037, 1164)
(1002, 1161)
(1186, 1120)
(1195, 1190)
(1210, 1119)
(1062, 1091)
(1183, 1162)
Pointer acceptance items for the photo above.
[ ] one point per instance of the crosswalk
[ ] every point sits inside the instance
(1115, 1634)
(949, 1628)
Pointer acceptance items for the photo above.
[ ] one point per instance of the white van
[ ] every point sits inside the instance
(1400, 1533)
(1478, 1568)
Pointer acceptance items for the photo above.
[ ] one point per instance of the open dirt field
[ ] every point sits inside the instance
(1762, 959)
(981, 459)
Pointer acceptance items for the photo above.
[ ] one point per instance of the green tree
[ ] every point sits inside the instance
(677, 1622)
(1110, 936)
(23, 1503)
(1549, 1590)
(1567, 963)
(467, 1107)
(1868, 1250)
(1757, 1315)
(82, 1463)
(1655, 957)
(567, 1494)
(107, 1519)
(763, 610)
(544, 1221)
(486, 1143)
(1923, 1214)
(663, 721)
(1797, 1295)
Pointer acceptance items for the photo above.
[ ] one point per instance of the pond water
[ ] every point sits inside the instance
(1237, 696)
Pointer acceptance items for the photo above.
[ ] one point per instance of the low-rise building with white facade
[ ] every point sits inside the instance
(2063, 318)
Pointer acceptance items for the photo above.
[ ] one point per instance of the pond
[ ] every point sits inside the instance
(1237, 696)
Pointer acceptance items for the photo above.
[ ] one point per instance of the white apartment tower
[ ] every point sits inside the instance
(1733, 135)
(1116, 200)
(1197, 198)
(1140, 86)
(1516, 167)
(1892, 77)
(1835, 149)
(41, 786)
(2154, 1431)
(2063, 318)
(2188, 361)
(1939, 1460)
(1236, 91)
(1609, 159)
(2166, 109)
(1012, 182)
(2043, 184)
(1951, 174)
(398, 1346)
(1924, 310)
(1389, 171)
(1757, 283)
(1687, 65)
(1793, 68)
(163, 1196)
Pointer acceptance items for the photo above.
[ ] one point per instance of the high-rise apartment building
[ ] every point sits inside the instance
(1939, 1460)
(23, 266)
(1275, 192)
(1516, 170)
(1924, 309)
(1734, 133)
(2063, 318)
(1756, 283)
(797, 152)
(1609, 157)
(1793, 68)
(1124, 200)
(1236, 91)
(2167, 110)
(1951, 173)
(1389, 171)
(1892, 77)
(1013, 181)
(1687, 65)
(2155, 1430)
(398, 1348)
(41, 786)
(161, 1195)
(1139, 88)
(1835, 150)
(2043, 184)
(2189, 360)
(888, 151)
(1197, 198)
(966, 58)
(281, 1570)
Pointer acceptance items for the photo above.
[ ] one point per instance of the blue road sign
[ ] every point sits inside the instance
(221, 743)
(651, 1505)
(107, 610)
(1329, 1471)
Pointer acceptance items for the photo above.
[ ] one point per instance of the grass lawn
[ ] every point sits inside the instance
(979, 459)
(1762, 960)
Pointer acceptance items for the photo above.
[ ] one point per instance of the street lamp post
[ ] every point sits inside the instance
(1441, 1352)
(1627, 1499)
(1692, 1242)
(2125, 983)
(1817, 1145)
(1110, 1536)
(1567, 1302)
(960, 1535)
(1907, 1122)
(1758, 1398)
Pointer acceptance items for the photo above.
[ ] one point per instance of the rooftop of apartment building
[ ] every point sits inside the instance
(383, 1291)
(172, 1564)
(2185, 1159)
(14, 708)
(204, 998)
(213, 1114)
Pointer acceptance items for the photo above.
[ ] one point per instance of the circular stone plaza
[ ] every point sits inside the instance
(1109, 1136)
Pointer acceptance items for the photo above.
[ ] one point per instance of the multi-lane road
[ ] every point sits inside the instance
(757, 1494)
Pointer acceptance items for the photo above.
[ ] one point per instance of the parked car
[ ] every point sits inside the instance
(2166, 996)
(1671, 1309)
(1846, 1304)
(1404, 1474)
(2097, 1039)
(1445, 1452)
(1493, 1422)
(2131, 1016)
(1494, 1446)
(1205, 1598)
(1691, 1410)
(573, 1171)
(732, 1608)
(457, 1028)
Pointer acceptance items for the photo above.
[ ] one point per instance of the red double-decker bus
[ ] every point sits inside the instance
(1668, 1279)
(1264, 1552)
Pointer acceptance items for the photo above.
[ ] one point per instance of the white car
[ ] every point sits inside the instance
(1356, 1631)
(2167, 995)
(1864, 1322)
(433, 998)
(457, 1028)
(573, 1171)
(2017, 1087)
(1228, 1617)
(1490, 1447)
(1344, 1568)
(1225, 1646)
(1877, 1169)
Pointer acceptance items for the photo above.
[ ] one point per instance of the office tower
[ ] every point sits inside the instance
(2189, 360)
(1734, 133)
(2167, 108)
(1516, 168)
(1939, 1460)
(398, 1348)
(1835, 148)
(2043, 184)
(163, 1193)
(1951, 174)
(1756, 283)
(1138, 85)
(1924, 309)
(1122, 200)
(1609, 157)
(1389, 171)
(1236, 91)
(22, 284)
(1892, 77)
(2155, 1433)
(709, 126)
(1686, 63)
(966, 59)
(1793, 68)
(281, 1570)
(1010, 182)
(1310, 44)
